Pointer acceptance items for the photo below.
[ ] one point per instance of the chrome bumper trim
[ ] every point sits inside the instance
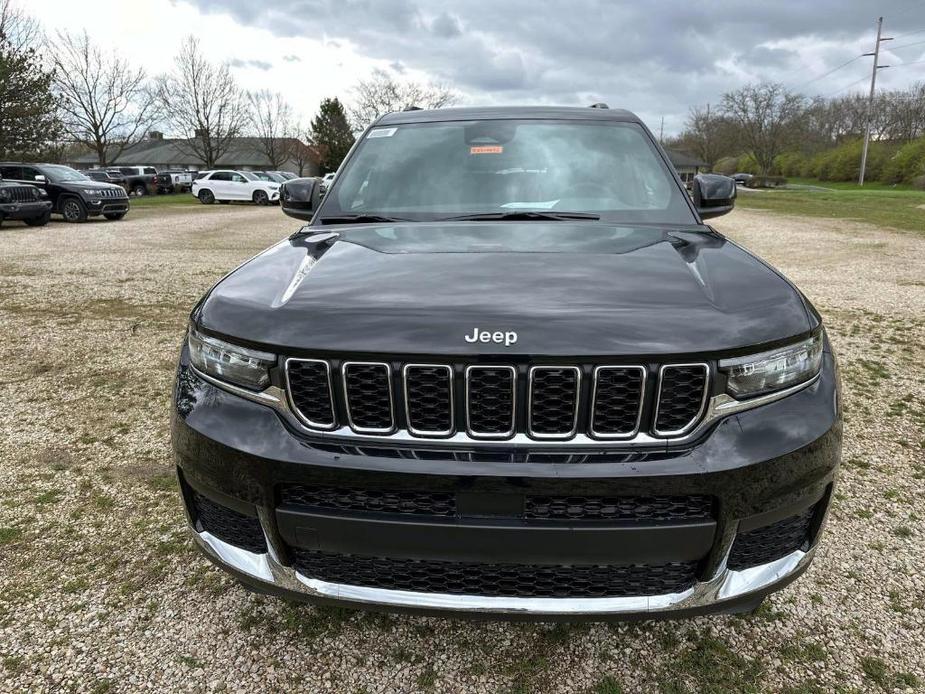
(727, 585)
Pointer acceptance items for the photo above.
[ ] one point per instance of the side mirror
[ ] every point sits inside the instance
(300, 197)
(713, 195)
(41, 179)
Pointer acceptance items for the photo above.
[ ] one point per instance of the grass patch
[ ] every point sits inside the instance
(881, 207)
(878, 672)
(711, 667)
(608, 685)
(9, 535)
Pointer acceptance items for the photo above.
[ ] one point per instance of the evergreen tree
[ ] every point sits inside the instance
(28, 120)
(331, 134)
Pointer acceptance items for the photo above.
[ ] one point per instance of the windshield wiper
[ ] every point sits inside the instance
(521, 215)
(359, 219)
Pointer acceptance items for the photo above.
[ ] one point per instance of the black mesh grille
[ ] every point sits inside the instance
(504, 580)
(369, 399)
(310, 387)
(22, 193)
(428, 393)
(617, 400)
(553, 401)
(491, 400)
(370, 500)
(681, 397)
(228, 525)
(674, 509)
(765, 544)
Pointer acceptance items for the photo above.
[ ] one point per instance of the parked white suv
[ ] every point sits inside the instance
(224, 186)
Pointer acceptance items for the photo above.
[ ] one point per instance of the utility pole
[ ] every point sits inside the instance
(661, 131)
(870, 100)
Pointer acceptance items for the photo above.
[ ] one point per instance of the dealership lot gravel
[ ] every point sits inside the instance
(101, 589)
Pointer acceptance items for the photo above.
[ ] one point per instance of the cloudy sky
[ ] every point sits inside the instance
(656, 58)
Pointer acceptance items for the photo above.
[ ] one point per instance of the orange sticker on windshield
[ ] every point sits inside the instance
(486, 149)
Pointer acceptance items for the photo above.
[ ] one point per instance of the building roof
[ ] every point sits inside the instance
(244, 151)
(684, 159)
(507, 112)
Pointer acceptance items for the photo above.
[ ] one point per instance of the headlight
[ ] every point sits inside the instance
(238, 365)
(91, 192)
(773, 370)
(4, 194)
(42, 193)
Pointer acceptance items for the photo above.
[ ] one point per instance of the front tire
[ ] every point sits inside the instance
(114, 216)
(261, 197)
(73, 210)
(140, 190)
(39, 221)
(206, 197)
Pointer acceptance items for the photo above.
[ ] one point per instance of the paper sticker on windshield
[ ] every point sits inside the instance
(381, 132)
(486, 149)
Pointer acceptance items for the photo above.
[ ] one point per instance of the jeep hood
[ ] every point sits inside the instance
(586, 289)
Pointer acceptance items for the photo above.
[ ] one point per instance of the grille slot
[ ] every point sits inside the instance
(22, 193)
(616, 402)
(310, 391)
(429, 399)
(490, 398)
(368, 392)
(553, 401)
(681, 398)
(655, 509)
(229, 525)
(502, 580)
(770, 542)
(405, 502)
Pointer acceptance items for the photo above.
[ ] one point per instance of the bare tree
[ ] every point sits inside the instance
(707, 134)
(301, 150)
(380, 94)
(202, 102)
(271, 120)
(17, 29)
(767, 119)
(104, 102)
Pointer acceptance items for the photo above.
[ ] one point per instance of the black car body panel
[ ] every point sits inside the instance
(421, 288)
(357, 506)
(105, 199)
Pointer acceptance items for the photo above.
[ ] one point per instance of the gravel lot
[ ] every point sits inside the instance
(101, 590)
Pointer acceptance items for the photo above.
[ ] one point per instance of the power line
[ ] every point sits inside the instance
(847, 86)
(835, 69)
(909, 33)
(905, 45)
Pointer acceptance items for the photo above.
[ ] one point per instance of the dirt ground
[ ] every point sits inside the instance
(101, 589)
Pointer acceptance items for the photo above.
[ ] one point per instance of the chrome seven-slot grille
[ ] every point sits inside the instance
(554, 402)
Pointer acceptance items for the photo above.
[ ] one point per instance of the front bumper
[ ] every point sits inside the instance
(761, 467)
(24, 210)
(106, 206)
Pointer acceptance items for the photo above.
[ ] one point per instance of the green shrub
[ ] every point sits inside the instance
(906, 164)
(765, 182)
(726, 166)
(747, 164)
(843, 163)
(790, 164)
(919, 182)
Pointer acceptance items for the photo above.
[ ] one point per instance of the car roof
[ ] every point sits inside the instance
(508, 112)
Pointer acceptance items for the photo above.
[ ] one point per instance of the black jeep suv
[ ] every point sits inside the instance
(72, 195)
(21, 202)
(508, 369)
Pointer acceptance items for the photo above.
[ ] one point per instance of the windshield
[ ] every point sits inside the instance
(431, 171)
(249, 176)
(58, 173)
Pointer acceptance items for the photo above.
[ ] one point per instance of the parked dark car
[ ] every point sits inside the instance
(73, 195)
(141, 180)
(107, 176)
(742, 178)
(285, 175)
(29, 204)
(509, 369)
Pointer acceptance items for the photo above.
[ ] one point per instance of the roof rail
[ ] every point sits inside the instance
(599, 104)
(412, 108)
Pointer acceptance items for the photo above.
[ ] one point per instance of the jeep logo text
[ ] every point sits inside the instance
(506, 338)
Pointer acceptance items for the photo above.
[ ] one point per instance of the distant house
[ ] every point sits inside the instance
(685, 164)
(244, 154)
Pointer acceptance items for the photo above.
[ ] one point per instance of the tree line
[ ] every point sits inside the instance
(98, 101)
(769, 130)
